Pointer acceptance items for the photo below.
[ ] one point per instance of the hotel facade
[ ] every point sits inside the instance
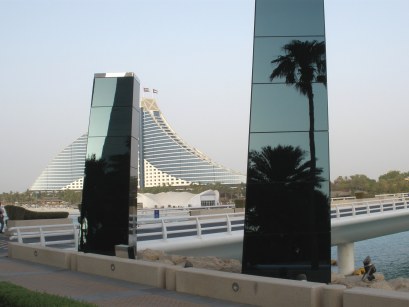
(164, 159)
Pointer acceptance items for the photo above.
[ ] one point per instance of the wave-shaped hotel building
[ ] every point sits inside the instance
(164, 159)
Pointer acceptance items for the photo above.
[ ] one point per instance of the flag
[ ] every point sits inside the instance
(155, 91)
(146, 89)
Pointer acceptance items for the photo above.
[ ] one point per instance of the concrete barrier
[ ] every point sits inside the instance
(249, 289)
(332, 295)
(138, 271)
(44, 255)
(239, 288)
(369, 297)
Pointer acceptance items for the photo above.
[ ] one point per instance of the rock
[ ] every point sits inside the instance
(335, 277)
(209, 262)
(234, 266)
(359, 271)
(352, 281)
(399, 284)
(178, 259)
(149, 255)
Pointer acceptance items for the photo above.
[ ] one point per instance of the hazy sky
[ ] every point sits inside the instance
(197, 54)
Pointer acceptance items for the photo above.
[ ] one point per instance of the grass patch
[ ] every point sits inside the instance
(15, 296)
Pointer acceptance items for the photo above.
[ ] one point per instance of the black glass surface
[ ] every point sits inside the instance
(134, 149)
(288, 255)
(287, 222)
(111, 168)
(289, 17)
(106, 194)
(308, 207)
(280, 108)
(136, 125)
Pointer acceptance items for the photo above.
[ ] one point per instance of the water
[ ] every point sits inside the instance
(389, 254)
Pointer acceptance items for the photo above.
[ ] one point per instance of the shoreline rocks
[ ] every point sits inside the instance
(203, 262)
(234, 266)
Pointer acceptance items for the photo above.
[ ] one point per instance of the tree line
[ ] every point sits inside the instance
(356, 185)
(362, 187)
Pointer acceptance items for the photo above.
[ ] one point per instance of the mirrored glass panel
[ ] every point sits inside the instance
(306, 206)
(110, 121)
(136, 126)
(134, 149)
(110, 150)
(289, 17)
(267, 49)
(104, 91)
(113, 92)
(290, 151)
(136, 92)
(280, 107)
(288, 255)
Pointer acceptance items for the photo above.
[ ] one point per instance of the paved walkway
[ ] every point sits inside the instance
(99, 290)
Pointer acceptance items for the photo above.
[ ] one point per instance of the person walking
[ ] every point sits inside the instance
(1, 218)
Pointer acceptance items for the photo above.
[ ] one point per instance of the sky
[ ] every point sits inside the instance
(198, 55)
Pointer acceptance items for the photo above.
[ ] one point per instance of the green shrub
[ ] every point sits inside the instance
(20, 213)
(240, 203)
(15, 296)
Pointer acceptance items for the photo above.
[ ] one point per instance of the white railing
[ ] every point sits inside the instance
(175, 212)
(45, 235)
(372, 206)
(170, 227)
(164, 228)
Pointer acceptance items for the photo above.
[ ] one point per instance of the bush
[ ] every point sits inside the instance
(15, 296)
(20, 213)
(240, 203)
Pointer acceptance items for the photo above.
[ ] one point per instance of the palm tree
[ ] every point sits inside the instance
(302, 65)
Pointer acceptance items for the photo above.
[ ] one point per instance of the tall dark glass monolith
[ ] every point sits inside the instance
(287, 223)
(111, 165)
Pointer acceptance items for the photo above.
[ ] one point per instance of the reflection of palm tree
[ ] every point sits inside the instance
(303, 63)
(279, 172)
(282, 164)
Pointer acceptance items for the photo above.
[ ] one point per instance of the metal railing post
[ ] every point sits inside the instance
(42, 238)
(199, 228)
(164, 231)
(20, 238)
(75, 235)
(228, 221)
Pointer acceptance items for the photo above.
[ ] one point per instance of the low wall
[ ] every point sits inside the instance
(367, 297)
(137, 271)
(233, 287)
(44, 255)
(248, 289)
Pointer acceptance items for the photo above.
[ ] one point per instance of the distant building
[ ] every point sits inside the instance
(164, 159)
(179, 199)
(66, 170)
